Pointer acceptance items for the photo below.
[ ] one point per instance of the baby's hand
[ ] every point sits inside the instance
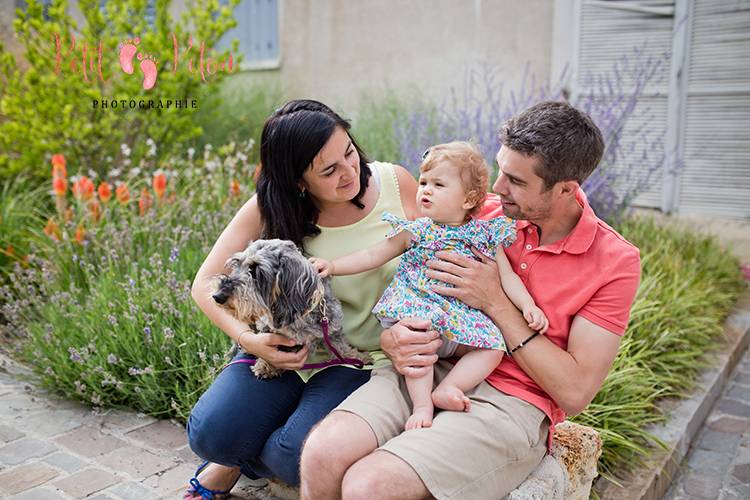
(536, 318)
(323, 266)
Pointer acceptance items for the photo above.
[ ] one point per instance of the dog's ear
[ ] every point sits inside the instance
(297, 283)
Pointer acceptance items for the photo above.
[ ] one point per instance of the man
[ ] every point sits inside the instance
(581, 273)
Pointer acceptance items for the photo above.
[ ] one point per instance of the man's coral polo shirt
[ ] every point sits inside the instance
(593, 272)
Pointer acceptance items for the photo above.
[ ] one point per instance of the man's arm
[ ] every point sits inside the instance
(573, 377)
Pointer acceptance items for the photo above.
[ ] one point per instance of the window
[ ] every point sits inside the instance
(257, 31)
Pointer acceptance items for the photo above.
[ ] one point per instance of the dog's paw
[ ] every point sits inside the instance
(364, 357)
(264, 369)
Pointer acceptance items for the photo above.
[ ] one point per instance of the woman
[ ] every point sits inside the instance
(316, 189)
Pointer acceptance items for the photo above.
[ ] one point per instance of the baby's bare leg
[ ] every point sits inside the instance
(419, 391)
(471, 369)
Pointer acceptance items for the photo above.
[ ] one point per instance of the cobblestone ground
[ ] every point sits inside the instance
(719, 459)
(53, 449)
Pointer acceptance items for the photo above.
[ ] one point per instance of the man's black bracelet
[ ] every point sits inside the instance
(510, 353)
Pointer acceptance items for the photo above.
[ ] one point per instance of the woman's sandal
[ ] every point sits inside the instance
(198, 492)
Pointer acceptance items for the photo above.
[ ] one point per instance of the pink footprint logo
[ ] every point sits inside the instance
(127, 51)
(148, 66)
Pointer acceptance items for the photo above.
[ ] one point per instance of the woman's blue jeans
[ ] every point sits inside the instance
(260, 424)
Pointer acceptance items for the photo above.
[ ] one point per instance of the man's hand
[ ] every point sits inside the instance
(475, 283)
(411, 346)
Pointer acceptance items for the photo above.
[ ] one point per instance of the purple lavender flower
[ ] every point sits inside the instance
(174, 257)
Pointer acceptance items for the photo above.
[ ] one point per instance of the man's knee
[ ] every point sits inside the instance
(336, 442)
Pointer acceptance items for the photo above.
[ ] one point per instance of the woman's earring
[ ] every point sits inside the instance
(302, 193)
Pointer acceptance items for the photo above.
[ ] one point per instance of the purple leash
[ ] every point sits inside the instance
(340, 361)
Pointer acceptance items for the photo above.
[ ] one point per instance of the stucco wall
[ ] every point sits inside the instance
(333, 50)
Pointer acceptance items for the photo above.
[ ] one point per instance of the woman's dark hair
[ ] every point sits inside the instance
(292, 137)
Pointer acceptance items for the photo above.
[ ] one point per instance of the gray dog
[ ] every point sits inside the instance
(273, 288)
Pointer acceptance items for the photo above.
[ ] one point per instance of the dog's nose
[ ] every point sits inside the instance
(220, 298)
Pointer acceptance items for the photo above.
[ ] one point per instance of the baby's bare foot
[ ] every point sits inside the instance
(450, 397)
(422, 417)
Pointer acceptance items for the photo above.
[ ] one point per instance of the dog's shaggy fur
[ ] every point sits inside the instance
(273, 288)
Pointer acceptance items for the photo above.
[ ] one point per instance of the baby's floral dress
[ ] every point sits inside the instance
(409, 294)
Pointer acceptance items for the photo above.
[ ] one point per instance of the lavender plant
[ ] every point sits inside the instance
(616, 101)
(108, 318)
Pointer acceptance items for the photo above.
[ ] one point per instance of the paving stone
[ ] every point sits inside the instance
(136, 462)
(742, 473)
(730, 425)
(726, 494)
(738, 392)
(173, 479)
(18, 405)
(733, 407)
(90, 442)
(743, 490)
(50, 423)
(66, 462)
(24, 449)
(8, 434)
(709, 462)
(26, 477)
(162, 435)
(89, 481)
(743, 455)
(719, 441)
(188, 456)
(101, 496)
(131, 491)
(742, 378)
(39, 494)
(703, 486)
(118, 421)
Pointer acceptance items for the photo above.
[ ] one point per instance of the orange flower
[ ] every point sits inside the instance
(58, 161)
(60, 185)
(80, 236)
(58, 167)
(144, 202)
(68, 214)
(105, 192)
(96, 211)
(234, 189)
(9, 251)
(122, 193)
(160, 185)
(83, 189)
(257, 171)
(53, 229)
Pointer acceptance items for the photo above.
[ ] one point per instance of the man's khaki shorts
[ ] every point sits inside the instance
(485, 453)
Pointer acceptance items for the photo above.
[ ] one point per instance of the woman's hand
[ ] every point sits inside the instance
(411, 346)
(266, 346)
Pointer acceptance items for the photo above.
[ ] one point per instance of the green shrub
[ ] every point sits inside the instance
(238, 111)
(49, 109)
(20, 208)
(689, 285)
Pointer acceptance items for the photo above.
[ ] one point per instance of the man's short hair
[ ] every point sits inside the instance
(565, 140)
